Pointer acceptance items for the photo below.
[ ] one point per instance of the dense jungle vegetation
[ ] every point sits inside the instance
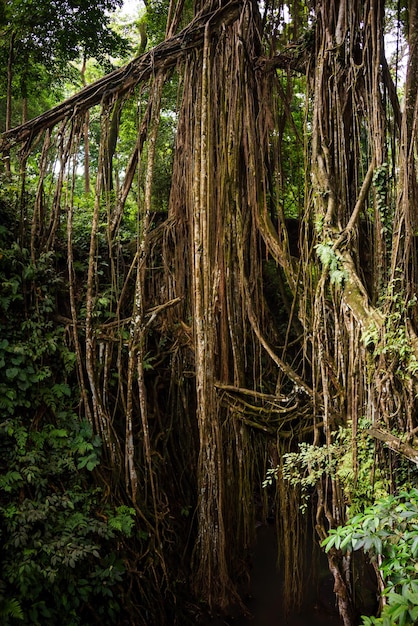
(208, 310)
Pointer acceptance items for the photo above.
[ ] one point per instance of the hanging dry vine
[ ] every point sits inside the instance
(226, 378)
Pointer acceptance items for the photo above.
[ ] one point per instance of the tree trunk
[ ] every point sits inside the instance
(229, 349)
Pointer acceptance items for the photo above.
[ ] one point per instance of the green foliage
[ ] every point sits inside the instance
(388, 532)
(66, 27)
(393, 339)
(362, 480)
(10, 608)
(31, 346)
(156, 18)
(292, 159)
(123, 520)
(164, 161)
(331, 262)
(42, 41)
(56, 534)
(380, 184)
(307, 466)
(61, 544)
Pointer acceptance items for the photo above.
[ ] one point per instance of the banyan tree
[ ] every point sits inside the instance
(268, 304)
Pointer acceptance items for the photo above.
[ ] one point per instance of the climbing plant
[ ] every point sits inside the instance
(234, 288)
(388, 533)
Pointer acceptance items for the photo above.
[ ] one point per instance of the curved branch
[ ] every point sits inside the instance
(358, 207)
(163, 56)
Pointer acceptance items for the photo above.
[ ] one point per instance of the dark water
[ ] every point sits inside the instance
(265, 602)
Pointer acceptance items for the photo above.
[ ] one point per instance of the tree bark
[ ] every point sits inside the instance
(394, 443)
(165, 55)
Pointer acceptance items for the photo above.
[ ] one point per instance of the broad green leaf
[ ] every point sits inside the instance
(12, 372)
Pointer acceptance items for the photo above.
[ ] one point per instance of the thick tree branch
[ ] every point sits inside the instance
(163, 56)
(394, 443)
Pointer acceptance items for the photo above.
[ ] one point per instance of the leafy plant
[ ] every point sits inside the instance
(310, 464)
(303, 469)
(123, 520)
(57, 541)
(332, 262)
(393, 339)
(388, 532)
(61, 544)
(380, 184)
(9, 607)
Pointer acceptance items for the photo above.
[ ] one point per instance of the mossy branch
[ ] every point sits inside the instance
(394, 443)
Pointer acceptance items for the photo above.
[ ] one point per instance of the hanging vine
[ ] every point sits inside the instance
(220, 339)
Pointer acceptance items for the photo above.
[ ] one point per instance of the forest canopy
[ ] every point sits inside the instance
(208, 306)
